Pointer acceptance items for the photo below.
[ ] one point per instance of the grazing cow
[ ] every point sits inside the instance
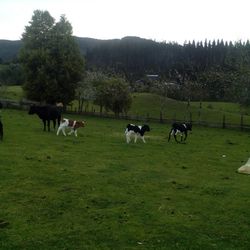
(181, 128)
(73, 125)
(1, 131)
(47, 113)
(135, 130)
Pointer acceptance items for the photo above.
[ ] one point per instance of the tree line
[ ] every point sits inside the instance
(210, 70)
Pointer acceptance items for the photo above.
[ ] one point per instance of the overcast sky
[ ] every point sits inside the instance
(160, 20)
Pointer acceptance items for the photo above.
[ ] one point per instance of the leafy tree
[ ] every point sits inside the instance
(11, 74)
(117, 96)
(99, 81)
(51, 59)
(112, 93)
(86, 91)
(242, 88)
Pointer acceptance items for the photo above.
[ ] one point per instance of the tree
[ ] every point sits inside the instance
(51, 59)
(116, 96)
(86, 91)
(242, 88)
(11, 74)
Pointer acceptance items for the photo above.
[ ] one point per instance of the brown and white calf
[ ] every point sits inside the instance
(73, 125)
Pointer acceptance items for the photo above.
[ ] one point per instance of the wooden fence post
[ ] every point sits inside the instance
(174, 118)
(199, 117)
(224, 121)
(161, 120)
(190, 117)
(241, 122)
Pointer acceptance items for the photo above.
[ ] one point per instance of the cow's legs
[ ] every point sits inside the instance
(75, 133)
(71, 131)
(181, 137)
(175, 132)
(63, 130)
(143, 139)
(44, 125)
(185, 136)
(58, 130)
(127, 137)
(54, 124)
(170, 133)
(48, 121)
(135, 138)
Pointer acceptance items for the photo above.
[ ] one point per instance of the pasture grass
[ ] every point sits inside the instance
(147, 104)
(14, 92)
(97, 192)
(151, 105)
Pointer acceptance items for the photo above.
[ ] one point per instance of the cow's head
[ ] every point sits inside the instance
(32, 110)
(82, 124)
(146, 127)
(189, 126)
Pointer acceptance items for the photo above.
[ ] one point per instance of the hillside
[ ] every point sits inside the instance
(151, 105)
(9, 50)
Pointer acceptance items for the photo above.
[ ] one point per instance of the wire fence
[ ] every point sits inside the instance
(241, 124)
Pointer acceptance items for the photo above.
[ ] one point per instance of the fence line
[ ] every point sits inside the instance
(25, 104)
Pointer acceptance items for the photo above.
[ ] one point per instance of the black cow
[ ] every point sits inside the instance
(135, 130)
(181, 128)
(47, 113)
(1, 131)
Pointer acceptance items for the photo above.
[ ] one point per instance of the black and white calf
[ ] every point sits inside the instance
(181, 128)
(134, 130)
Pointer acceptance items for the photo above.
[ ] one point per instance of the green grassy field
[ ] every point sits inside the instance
(151, 105)
(97, 192)
(211, 112)
(12, 93)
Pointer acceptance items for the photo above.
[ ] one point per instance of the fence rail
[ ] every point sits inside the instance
(25, 104)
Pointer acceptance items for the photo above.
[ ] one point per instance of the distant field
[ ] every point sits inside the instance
(151, 105)
(97, 192)
(12, 92)
(211, 112)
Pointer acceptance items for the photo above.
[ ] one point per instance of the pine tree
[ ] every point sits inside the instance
(51, 59)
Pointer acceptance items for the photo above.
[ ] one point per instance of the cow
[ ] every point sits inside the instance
(1, 130)
(47, 113)
(73, 125)
(136, 131)
(181, 128)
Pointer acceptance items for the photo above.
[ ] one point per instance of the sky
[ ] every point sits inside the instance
(160, 20)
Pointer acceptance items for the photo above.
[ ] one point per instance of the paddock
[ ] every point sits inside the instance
(97, 192)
